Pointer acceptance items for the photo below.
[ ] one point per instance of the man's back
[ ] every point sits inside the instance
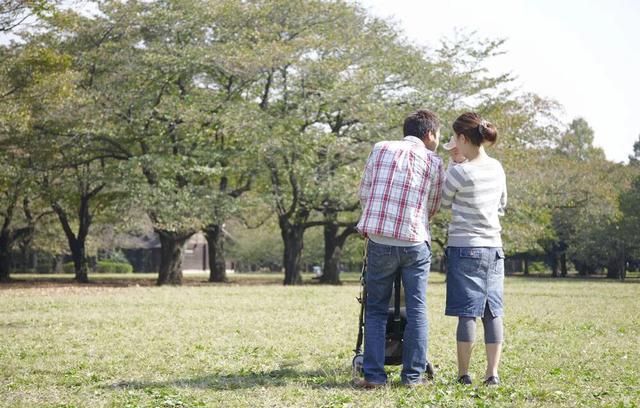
(400, 190)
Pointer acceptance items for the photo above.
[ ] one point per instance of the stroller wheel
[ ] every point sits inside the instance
(356, 366)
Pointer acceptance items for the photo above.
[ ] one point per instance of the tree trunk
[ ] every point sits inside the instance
(76, 245)
(5, 258)
(6, 240)
(8, 237)
(332, 253)
(80, 262)
(563, 264)
(77, 242)
(292, 236)
(581, 268)
(615, 268)
(553, 260)
(171, 251)
(333, 245)
(215, 241)
(331, 272)
(526, 265)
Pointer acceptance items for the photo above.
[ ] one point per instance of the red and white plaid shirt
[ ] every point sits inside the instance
(400, 190)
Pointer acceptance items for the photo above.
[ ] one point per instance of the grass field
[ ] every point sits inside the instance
(254, 343)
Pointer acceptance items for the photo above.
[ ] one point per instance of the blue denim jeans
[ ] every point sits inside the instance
(382, 263)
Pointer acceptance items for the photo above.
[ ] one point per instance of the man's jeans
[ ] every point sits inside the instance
(382, 263)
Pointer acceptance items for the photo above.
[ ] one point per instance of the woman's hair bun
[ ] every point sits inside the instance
(488, 131)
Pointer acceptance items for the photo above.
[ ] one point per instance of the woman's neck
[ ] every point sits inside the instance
(477, 154)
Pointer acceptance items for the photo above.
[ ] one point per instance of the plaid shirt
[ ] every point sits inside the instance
(400, 190)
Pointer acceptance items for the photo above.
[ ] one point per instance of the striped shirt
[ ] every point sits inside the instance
(400, 190)
(476, 192)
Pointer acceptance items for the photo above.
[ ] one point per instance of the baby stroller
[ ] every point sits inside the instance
(394, 334)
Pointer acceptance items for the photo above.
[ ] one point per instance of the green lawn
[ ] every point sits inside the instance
(569, 343)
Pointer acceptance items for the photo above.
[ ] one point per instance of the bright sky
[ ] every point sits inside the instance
(585, 54)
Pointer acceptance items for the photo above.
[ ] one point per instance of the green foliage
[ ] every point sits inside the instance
(630, 222)
(14, 12)
(103, 267)
(260, 247)
(113, 267)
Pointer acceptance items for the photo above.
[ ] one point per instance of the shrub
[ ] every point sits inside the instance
(103, 267)
(113, 267)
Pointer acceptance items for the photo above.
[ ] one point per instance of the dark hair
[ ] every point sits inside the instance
(420, 122)
(476, 129)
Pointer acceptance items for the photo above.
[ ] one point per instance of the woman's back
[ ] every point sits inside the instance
(477, 194)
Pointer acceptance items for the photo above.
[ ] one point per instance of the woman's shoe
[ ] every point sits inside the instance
(464, 379)
(493, 380)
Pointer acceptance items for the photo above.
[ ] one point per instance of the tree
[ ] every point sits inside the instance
(634, 159)
(319, 101)
(11, 188)
(586, 217)
(577, 141)
(64, 142)
(630, 222)
(33, 76)
(350, 91)
(161, 77)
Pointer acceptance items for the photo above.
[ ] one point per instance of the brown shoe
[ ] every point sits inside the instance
(366, 385)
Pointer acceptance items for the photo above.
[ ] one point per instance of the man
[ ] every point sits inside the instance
(399, 193)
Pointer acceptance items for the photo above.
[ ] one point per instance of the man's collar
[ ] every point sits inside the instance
(413, 139)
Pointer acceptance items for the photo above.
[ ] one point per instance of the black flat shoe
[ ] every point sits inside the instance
(464, 379)
(493, 380)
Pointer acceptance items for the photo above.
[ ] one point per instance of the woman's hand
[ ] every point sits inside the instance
(456, 156)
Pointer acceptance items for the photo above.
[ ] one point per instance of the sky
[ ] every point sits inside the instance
(585, 54)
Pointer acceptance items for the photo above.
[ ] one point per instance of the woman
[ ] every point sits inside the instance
(475, 190)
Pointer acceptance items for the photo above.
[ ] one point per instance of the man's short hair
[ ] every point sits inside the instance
(420, 123)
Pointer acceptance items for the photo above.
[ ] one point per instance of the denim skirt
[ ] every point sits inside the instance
(475, 278)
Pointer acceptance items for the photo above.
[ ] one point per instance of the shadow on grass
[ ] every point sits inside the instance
(243, 380)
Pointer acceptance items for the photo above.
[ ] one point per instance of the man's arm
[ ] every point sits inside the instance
(435, 192)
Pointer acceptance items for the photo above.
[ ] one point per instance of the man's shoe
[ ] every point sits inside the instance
(493, 380)
(366, 385)
(464, 379)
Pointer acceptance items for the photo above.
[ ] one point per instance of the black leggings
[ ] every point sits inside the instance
(493, 330)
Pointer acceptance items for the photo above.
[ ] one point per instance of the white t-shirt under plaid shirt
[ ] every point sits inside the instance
(400, 190)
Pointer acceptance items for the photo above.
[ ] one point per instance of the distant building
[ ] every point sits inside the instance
(143, 252)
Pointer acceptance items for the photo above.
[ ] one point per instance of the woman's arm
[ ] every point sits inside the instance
(454, 180)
